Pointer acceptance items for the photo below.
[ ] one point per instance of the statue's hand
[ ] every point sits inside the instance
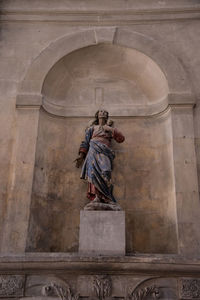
(108, 128)
(79, 160)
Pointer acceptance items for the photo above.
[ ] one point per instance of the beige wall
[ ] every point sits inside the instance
(28, 46)
(143, 178)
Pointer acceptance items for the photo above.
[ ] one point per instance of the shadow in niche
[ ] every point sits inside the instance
(143, 173)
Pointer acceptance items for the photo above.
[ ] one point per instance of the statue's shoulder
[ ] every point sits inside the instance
(89, 129)
(90, 124)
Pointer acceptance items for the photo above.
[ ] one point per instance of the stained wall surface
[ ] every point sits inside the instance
(143, 173)
(142, 176)
(158, 181)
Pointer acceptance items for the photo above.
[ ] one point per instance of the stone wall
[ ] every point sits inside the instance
(142, 177)
(71, 278)
(157, 82)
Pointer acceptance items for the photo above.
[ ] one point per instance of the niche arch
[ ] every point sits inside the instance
(31, 86)
(122, 80)
(140, 183)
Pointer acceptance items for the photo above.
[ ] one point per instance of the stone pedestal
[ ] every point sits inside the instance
(102, 233)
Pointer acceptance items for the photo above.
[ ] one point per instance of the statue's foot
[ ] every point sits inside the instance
(94, 205)
(96, 200)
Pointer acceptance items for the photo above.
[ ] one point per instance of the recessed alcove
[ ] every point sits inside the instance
(121, 79)
(134, 90)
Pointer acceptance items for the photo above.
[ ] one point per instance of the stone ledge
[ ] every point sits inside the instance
(100, 16)
(28, 100)
(181, 99)
(73, 263)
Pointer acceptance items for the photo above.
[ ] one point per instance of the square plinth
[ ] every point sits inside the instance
(102, 233)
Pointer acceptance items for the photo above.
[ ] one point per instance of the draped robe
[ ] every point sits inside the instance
(99, 157)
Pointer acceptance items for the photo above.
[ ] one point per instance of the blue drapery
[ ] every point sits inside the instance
(97, 166)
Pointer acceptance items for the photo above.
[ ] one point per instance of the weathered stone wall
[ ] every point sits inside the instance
(70, 277)
(143, 179)
(30, 32)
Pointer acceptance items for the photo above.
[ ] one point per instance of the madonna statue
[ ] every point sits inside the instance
(98, 157)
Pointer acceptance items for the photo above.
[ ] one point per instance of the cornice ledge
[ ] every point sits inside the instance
(129, 11)
(186, 99)
(29, 101)
(43, 262)
(98, 15)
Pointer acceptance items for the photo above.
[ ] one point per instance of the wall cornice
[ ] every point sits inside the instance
(102, 17)
(73, 263)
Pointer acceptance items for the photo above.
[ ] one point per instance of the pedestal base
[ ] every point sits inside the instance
(102, 233)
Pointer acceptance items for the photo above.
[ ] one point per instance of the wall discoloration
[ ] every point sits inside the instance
(32, 43)
(142, 177)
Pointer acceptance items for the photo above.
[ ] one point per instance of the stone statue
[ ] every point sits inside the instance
(98, 156)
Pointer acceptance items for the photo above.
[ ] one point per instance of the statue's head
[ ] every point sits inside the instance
(101, 114)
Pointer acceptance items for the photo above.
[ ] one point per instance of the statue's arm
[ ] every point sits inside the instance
(118, 136)
(84, 147)
(79, 160)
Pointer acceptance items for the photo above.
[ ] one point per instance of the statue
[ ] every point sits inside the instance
(98, 157)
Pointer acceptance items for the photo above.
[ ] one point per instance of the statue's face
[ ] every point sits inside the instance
(102, 114)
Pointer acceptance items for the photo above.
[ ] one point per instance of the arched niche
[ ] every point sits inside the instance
(31, 86)
(134, 89)
(124, 81)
